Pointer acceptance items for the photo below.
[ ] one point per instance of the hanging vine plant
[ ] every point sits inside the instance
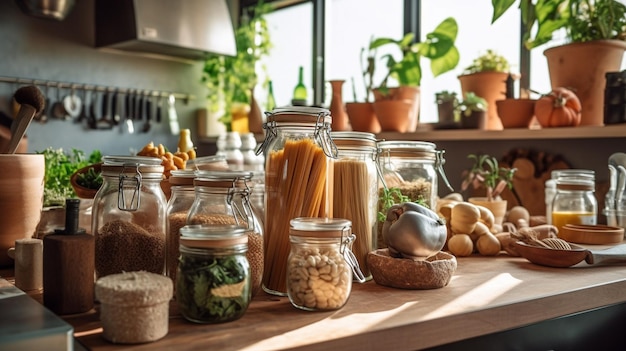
(230, 79)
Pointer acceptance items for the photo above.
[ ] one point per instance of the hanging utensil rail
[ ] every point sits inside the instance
(93, 87)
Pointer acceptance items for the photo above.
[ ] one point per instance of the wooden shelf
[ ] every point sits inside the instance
(427, 133)
(599, 132)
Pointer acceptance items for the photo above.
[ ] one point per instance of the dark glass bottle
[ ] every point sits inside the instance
(299, 92)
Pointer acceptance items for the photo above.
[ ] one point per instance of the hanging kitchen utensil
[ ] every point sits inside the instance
(128, 109)
(84, 108)
(95, 110)
(72, 103)
(147, 112)
(58, 109)
(105, 121)
(172, 116)
(159, 108)
(117, 105)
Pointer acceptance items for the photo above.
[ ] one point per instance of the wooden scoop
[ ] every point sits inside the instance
(566, 258)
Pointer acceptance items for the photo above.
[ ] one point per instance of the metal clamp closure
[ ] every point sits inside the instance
(129, 185)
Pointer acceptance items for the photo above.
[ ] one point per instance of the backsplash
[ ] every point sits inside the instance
(40, 49)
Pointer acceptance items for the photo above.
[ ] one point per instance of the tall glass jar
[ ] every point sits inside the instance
(411, 167)
(213, 278)
(223, 198)
(183, 196)
(128, 218)
(574, 201)
(298, 180)
(320, 264)
(355, 190)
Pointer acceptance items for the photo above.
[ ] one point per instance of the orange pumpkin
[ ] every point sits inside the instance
(560, 108)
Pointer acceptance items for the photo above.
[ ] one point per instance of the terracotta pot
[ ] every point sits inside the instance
(82, 192)
(497, 207)
(582, 67)
(362, 117)
(337, 108)
(516, 113)
(21, 199)
(393, 115)
(491, 86)
(476, 120)
(406, 94)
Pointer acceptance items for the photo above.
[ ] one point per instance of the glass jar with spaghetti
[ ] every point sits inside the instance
(355, 189)
(299, 153)
(320, 263)
(223, 198)
(574, 201)
(411, 167)
(129, 214)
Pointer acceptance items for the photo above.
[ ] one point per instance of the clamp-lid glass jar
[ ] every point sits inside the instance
(213, 278)
(129, 214)
(298, 181)
(355, 190)
(411, 167)
(320, 263)
(574, 201)
(183, 196)
(223, 198)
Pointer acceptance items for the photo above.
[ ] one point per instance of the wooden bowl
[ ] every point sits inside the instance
(591, 234)
(552, 257)
(430, 273)
(81, 191)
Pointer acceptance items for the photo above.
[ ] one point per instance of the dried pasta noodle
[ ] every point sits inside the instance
(351, 201)
(296, 184)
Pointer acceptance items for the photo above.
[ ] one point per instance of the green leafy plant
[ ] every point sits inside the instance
(392, 196)
(231, 78)
(490, 61)
(472, 103)
(368, 68)
(446, 96)
(60, 166)
(438, 47)
(582, 20)
(486, 172)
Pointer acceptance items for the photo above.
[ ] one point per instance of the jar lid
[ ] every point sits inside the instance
(124, 160)
(208, 163)
(406, 148)
(134, 289)
(299, 114)
(354, 140)
(212, 236)
(320, 227)
(182, 177)
(223, 179)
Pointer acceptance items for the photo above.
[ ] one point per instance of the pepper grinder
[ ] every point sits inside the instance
(68, 261)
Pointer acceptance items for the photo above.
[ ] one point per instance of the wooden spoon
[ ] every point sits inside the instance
(567, 258)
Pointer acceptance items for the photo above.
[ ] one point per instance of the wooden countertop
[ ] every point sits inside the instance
(485, 295)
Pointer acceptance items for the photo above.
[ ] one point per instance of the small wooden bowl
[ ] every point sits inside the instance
(430, 273)
(591, 234)
(81, 191)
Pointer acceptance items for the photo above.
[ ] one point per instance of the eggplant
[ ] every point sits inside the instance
(413, 231)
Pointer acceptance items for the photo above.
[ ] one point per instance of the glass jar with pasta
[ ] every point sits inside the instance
(299, 154)
(355, 189)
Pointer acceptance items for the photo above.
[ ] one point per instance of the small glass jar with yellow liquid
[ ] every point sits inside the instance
(574, 201)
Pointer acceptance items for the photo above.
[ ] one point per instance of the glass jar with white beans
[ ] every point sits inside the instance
(320, 265)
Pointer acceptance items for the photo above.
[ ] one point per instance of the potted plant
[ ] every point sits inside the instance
(595, 42)
(486, 77)
(447, 107)
(231, 79)
(361, 114)
(473, 111)
(486, 173)
(403, 100)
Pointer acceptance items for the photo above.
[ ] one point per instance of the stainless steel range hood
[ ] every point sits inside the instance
(188, 29)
